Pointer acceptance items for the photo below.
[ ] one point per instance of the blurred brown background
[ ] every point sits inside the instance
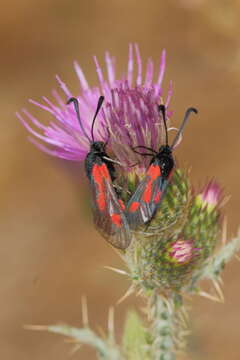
(50, 254)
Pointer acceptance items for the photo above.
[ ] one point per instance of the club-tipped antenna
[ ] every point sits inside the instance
(100, 101)
(76, 107)
(184, 122)
(162, 110)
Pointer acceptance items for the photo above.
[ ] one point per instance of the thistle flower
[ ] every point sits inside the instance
(129, 113)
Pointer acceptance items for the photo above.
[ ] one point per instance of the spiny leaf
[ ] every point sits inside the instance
(134, 340)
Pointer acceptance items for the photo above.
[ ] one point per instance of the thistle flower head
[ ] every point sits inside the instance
(129, 114)
(210, 195)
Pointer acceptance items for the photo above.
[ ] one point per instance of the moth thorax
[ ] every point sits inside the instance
(98, 146)
(166, 160)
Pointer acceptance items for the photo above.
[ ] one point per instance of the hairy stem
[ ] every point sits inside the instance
(168, 326)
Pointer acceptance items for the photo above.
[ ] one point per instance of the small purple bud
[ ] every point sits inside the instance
(182, 251)
(210, 195)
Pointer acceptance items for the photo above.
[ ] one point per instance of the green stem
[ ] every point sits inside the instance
(168, 326)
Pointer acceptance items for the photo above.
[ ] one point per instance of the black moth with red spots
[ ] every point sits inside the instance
(150, 192)
(108, 209)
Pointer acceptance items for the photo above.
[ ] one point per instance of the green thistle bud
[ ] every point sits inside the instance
(209, 197)
(165, 253)
(204, 219)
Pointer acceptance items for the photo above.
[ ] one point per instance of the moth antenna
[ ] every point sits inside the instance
(184, 122)
(144, 147)
(141, 153)
(162, 110)
(100, 101)
(76, 107)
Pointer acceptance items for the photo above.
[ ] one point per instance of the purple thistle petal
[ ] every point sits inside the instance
(110, 68)
(63, 86)
(162, 68)
(58, 98)
(149, 73)
(99, 72)
(59, 152)
(47, 139)
(44, 107)
(130, 65)
(81, 77)
(139, 65)
(53, 107)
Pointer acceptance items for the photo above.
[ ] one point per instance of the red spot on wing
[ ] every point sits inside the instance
(96, 174)
(123, 207)
(147, 194)
(116, 219)
(134, 206)
(154, 172)
(101, 201)
(99, 173)
(105, 172)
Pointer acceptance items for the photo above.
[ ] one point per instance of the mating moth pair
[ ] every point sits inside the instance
(114, 218)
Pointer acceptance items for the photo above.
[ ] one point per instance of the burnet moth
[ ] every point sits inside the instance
(150, 191)
(108, 208)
